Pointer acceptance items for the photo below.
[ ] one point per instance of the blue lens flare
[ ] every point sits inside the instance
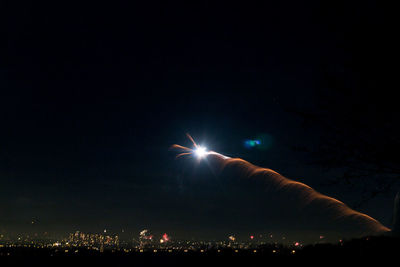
(252, 143)
(261, 142)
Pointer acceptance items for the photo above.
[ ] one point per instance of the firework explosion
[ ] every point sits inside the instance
(197, 150)
(306, 195)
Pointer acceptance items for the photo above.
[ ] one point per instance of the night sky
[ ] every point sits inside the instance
(93, 96)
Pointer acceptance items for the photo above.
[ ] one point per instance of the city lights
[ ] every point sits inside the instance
(78, 242)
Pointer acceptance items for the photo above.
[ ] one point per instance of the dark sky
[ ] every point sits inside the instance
(92, 97)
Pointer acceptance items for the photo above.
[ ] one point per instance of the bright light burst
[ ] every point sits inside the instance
(200, 152)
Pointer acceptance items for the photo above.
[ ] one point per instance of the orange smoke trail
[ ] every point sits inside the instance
(306, 194)
(183, 154)
(180, 147)
(191, 139)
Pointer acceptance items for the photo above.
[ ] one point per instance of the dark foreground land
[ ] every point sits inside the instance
(383, 249)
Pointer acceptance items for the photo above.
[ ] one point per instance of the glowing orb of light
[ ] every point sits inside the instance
(200, 151)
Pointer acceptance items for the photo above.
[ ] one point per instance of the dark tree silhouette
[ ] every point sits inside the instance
(360, 136)
(355, 111)
(357, 123)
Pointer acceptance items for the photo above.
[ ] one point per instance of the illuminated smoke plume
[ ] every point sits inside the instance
(303, 195)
